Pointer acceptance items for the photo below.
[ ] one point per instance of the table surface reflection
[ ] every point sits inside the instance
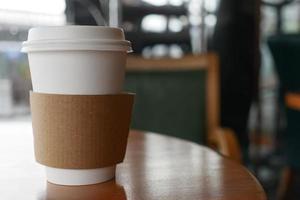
(156, 167)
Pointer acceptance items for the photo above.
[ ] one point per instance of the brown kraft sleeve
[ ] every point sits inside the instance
(80, 131)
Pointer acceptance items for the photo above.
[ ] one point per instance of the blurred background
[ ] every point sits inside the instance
(255, 45)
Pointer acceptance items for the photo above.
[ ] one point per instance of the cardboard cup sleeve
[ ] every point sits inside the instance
(80, 131)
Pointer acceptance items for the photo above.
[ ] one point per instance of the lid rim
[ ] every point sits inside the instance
(76, 37)
(76, 47)
(87, 41)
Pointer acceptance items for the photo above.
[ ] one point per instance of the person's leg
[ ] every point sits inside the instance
(235, 41)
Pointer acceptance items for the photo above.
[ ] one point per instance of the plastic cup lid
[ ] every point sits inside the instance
(55, 38)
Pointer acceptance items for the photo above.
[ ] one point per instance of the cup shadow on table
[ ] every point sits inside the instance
(104, 191)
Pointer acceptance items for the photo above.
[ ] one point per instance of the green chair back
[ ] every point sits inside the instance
(169, 102)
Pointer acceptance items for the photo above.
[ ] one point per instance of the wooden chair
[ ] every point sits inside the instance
(180, 97)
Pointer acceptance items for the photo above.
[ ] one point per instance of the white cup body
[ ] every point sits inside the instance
(76, 66)
(77, 72)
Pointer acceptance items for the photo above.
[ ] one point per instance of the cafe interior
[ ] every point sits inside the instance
(207, 74)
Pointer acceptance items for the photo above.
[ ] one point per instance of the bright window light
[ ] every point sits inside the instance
(156, 2)
(175, 51)
(194, 7)
(50, 7)
(32, 12)
(154, 23)
(160, 50)
(211, 5)
(195, 20)
(176, 2)
(210, 20)
(175, 25)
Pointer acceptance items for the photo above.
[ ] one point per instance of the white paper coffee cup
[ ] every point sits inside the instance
(82, 60)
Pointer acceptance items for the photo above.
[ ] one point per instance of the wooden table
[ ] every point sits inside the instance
(156, 168)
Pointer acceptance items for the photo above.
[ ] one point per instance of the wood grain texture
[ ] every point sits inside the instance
(155, 167)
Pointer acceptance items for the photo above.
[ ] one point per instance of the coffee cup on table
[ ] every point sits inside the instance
(77, 60)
